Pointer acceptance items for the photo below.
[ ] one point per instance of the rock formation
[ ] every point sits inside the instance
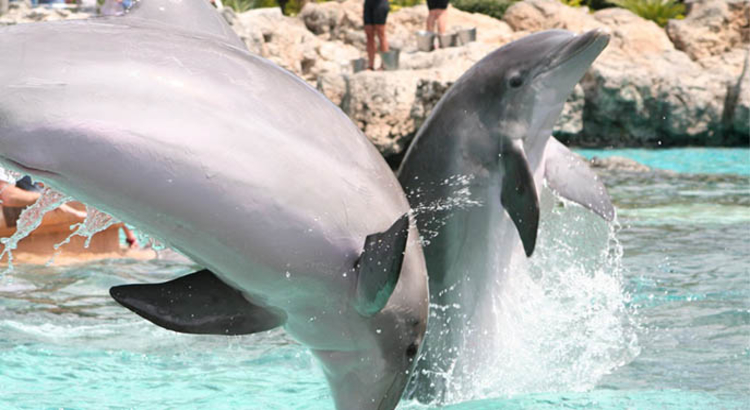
(686, 85)
(22, 12)
(647, 89)
(619, 164)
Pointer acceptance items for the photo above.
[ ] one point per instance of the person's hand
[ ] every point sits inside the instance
(131, 239)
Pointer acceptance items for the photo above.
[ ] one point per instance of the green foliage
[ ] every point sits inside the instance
(591, 4)
(571, 3)
(658, 11)
(292, 7)
(239, 6)
(261, 4)
(407, 3)
(398, 4)
(596, 4)
(492, 8)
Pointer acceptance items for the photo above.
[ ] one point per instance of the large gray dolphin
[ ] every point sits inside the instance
(492, 129)
(239, 165)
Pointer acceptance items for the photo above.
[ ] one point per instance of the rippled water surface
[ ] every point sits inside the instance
(681, 340)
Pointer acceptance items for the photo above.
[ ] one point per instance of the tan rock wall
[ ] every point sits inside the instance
(685, 85)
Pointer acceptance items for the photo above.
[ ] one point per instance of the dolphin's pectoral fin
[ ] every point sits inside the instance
(571, 178)
(196, 303)
(519, 196)
(379, 267)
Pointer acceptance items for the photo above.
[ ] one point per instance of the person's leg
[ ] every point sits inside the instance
(440, 17)
(380, 30)
(431, 21)
(370, 33)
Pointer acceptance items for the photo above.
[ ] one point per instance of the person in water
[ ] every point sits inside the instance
(14, 198)
(436, 15)
(376, 14)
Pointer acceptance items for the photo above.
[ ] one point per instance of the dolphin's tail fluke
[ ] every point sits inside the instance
(379, 267)
(197, 303)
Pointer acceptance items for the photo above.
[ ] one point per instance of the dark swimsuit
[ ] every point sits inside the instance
(376, 11)
(12, 213)
(437, 4)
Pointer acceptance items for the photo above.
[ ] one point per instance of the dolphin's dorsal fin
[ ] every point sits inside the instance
(196, 16)
(197, 303)
(572, 178)
(379, 267)
(518, 194)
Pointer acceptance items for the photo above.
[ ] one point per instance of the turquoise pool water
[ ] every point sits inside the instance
(665, 326)
(684, 160)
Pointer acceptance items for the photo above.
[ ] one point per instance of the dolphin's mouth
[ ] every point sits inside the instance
(26, 169)
(594, 41)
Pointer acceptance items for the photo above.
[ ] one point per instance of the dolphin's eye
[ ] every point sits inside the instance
(411, 351)
(515, 81)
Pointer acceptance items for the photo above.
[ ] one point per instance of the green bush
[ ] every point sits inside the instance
(292, 7)
(591, 4)
(596, 4)
(289, 7)
(398, 4)
(239, 6)
(261, 4)
(492, 8)
(571, 3)
(658, 11)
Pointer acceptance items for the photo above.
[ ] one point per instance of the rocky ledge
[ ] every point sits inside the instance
(22, 12)
(686, 85)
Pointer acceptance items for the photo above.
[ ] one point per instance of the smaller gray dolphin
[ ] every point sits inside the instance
(493, 127)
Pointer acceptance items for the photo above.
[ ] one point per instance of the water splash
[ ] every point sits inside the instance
(566, 309)
(555, 322)
(10, 175)
(96, 221)
(29, 220)
(459, 199)
(150, 241)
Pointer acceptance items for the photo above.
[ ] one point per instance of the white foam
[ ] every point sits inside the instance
(555, 322)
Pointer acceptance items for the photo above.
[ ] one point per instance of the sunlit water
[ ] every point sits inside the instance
(665, 324)
(684, 160)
